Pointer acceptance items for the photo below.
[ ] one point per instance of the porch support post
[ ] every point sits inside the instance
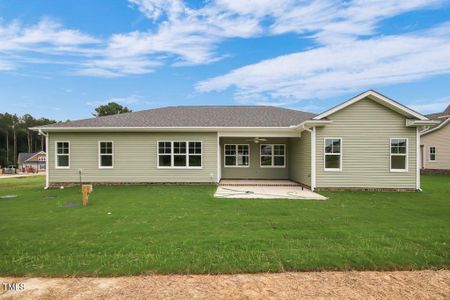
(418, 157)
(313, 158)
(219, 162)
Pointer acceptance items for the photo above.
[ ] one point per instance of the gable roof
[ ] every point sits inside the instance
(35, 156)
(383, 100)
(441, 125)
(195, 116)
(28, 156)
(24, 156)
(440, 115)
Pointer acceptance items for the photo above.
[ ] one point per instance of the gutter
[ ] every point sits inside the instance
(47, 185)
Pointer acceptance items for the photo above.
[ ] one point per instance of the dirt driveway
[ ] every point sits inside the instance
(308, 285)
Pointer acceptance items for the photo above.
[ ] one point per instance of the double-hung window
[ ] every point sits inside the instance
(237, 155)
(333, 154)
(105, 155)
(62, 155)
(432, 153)
(399, 154)
(179, 154)
(273, 156)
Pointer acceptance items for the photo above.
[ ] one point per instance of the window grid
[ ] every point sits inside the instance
(62, 155)
(179, 154)
(332, 154)
(237, 155)
(105, 154)
(272, 156)
(432, 153)
(398, 154)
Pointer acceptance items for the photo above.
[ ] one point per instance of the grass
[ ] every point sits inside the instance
(183, 229)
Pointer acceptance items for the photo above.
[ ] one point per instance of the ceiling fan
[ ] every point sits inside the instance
(256, 140)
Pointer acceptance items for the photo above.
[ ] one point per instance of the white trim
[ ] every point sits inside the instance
(429, 153)
(100, 154)
(399, 154)
(172, 154)
(313, 159)
(310, 123)
(219, 163)
(273, 156)
(47, 170)
(56, 155)
(291, 132)
(417, 123)
(418, 161)
(378, 98)
(236, 156)
(223, 130)
(37, 153)
(335, 154)
(436, 128)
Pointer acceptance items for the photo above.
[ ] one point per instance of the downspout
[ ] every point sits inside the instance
(313, 159)
(418, 156)
(219, 163)
(46, 159)
(313, 155)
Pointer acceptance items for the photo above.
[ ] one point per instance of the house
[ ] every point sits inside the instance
(32, 162)
(367, 142)
(435, 144)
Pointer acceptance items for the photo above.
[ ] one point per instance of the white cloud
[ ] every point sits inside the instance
(338, 68)
(46, 42)
(46, 33)
(185, 35)
(431, 106)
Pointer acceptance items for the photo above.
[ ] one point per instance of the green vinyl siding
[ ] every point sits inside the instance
(366, 128)
(254, 171)
(135, 158)
(300, 158)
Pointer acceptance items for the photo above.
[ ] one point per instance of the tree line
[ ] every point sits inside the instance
(16, 137)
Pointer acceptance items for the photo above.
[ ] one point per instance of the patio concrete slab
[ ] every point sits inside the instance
(266, 192)
(257, 182)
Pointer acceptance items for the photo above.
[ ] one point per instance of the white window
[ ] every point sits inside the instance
(179, 154)
(332, 154)
(62, 151)
(399, 155)
(432, 153)
(105, 155)
(273, 156)
(237, 155)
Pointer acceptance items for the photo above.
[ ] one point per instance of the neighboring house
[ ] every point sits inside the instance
(435, 143)
(32, 162)
(367, 142)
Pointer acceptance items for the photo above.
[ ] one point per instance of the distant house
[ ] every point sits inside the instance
(435, 143)
(367, 142)
(32, 162)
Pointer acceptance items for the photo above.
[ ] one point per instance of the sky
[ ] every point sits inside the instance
(61, 59)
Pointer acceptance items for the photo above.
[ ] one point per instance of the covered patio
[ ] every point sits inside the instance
(264, 189)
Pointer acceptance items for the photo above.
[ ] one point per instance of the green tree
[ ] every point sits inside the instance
(112, 108)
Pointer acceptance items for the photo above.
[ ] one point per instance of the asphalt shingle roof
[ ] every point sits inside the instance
(198, 116)
(438, 116)
(23, 156)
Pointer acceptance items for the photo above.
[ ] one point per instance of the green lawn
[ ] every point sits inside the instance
(183, 229)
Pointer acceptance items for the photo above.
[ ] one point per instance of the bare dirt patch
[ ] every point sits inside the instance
(307, 285)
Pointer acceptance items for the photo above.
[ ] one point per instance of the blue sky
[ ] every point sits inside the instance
(60, 59)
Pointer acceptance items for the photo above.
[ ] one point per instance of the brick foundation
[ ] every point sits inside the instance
(434, 171)
(54, 185)
(360, 189)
